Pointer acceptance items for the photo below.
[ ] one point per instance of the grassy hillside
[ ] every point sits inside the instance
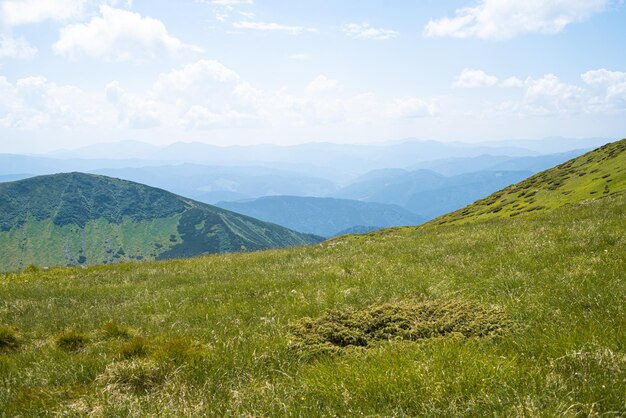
(598, 173)
(68, 219)
(510, 316)
(322, 216)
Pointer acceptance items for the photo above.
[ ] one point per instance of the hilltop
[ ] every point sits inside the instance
(76, 218)
(493, 315)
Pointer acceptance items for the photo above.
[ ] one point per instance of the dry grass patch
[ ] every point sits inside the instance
(406, 320)
(137, 376)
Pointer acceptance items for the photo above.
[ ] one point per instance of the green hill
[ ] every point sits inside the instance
(601, 172)
(503, 316)
(322, 216)
(68, 219)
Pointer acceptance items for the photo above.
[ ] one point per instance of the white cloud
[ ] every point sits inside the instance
(365, 31)
(470, 78)
(119, 35)
(549, 95)
(609, 88)
(200, 79)
(506, 19)
(208, 95)
(272, 27)
(16, 48)
(321, 85)
(136, 112)
(511, 82)
(199, 96)
(603, 77)
(18, 12)
(37, 103)
(411, 107)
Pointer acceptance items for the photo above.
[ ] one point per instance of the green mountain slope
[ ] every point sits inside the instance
(508, 316)
(326, 217)
(87, 219)
(601, 172)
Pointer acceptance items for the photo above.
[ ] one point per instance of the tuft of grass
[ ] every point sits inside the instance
(112, 329)
(137, 347)
(31, 268)
(71, 341)
(9, 340)
(138, 376)
(178, 350)
(405, 320)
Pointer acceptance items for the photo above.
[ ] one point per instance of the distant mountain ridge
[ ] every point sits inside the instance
(323, 216)
(211, 184)
(426, 193)
(78, 218)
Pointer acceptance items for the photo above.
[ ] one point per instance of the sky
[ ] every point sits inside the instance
(79, 72)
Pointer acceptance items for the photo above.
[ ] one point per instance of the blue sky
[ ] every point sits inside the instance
(78, 72)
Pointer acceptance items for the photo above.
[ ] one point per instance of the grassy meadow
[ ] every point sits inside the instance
(520, 316)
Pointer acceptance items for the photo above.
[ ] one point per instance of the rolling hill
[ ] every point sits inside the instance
(323, 216)
(77, 218)
(487, 314)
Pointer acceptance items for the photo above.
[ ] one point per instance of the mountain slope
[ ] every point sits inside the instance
(217, 335)
(322, 216)
(598, 173)
(86, 219)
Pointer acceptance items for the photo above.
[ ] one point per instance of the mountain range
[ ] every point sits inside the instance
(326, 217)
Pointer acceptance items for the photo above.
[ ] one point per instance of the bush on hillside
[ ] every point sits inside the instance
(408, 320)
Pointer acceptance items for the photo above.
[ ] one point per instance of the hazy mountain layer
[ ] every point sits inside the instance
(425, 192)
(323, 216)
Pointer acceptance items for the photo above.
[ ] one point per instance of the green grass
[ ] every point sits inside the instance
(505, 316)
(213, 335)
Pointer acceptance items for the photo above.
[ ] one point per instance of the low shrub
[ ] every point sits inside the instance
(408, 320)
